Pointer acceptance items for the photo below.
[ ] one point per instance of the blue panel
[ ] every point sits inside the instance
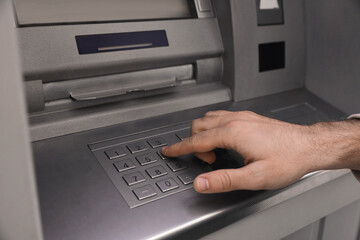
(88, 44)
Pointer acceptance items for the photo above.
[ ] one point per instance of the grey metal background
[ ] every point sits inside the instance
(333, 52)
(19, 212)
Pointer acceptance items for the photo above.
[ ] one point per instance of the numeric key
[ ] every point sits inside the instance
(156, 172)
(167, 185)
(146, 159)
(115, 153)
(137, 147)
(134, 178)
(176, 166)
(124, 165)
(157, 142)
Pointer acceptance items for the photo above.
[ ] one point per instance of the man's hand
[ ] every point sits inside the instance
(276, 153)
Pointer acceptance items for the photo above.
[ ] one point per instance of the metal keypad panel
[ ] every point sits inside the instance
(140, 172)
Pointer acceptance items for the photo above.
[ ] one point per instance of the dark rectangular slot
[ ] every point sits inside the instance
(271, 56)
(111, 42)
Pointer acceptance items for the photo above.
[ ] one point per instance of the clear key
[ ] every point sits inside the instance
(144, 192)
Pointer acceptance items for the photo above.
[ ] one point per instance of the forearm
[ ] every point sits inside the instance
(336, 145)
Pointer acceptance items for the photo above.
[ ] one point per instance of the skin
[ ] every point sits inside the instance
(276, 153)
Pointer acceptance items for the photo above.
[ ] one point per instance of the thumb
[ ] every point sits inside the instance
(230, 180)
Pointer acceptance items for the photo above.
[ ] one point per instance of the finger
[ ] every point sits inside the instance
(200, 143)
(246, 178)
(208, 157)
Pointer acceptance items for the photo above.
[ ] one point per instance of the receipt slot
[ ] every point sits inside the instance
(270, 12)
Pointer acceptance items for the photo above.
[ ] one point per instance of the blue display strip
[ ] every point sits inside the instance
(111, 42)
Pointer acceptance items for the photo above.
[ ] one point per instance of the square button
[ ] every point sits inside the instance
(156, 172)
(157, 142)
(134, 178)
(187, 178)
(144, 192)
(137, 147)
(124, 165)
(167, 185)
(184, 134)
(162, 156)
(115, 153)
(146, 159)
(176, 166)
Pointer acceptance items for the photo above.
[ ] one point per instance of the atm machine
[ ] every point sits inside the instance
(108, 83)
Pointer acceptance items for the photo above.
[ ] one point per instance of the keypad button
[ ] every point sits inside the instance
(124, 165)
(134, 178)
(167, 185)
(187, 178)
(144, 192)
(162, 156)
(115, 153)
(176, 166)
(146, 159)
(157, 142)
(156, 171)
(137, 147)
(182, 135)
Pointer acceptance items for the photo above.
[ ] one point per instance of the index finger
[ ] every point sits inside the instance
(199, 143)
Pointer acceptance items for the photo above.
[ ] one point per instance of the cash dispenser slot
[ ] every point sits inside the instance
(88, 91)
(118, 89)
(101, 87)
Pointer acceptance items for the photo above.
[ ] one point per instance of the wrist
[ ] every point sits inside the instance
(334, 145)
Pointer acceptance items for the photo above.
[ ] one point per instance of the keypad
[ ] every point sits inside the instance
(147, 159)
(124, 165)
(134, 178)
(139, 170)
(156, 171)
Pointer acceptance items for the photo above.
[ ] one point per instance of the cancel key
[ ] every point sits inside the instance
(144, 192)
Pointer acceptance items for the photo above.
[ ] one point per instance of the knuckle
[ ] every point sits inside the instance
(260, 181)
(211, 113)
(233, 124)
(225, 181)
(192, 139)
(195, 124)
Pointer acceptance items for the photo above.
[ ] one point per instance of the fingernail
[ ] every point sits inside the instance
(202, 184)
(164, 149)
